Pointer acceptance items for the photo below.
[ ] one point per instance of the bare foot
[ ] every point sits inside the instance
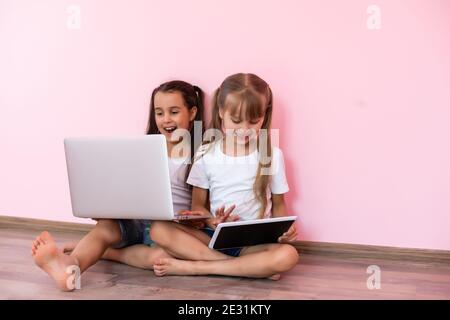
(170, 266)
(53, 261)
(275, 277)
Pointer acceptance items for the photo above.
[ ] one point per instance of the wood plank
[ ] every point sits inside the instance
(317, 276)
(343, 250)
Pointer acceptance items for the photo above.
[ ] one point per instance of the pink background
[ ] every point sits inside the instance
(363, 114)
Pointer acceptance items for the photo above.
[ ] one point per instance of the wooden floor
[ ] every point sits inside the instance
(315, 277)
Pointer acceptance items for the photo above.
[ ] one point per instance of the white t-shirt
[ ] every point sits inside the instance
(181, 193)
(230, 180)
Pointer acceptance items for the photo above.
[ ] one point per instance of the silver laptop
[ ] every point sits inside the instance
(120, 178)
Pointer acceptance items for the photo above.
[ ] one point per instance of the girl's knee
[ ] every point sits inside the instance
(285, 257)
(159, 231)
(108, 230)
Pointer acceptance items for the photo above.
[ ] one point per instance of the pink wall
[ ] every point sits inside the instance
(364, 114)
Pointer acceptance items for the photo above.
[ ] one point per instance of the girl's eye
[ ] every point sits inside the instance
(236, 121)
(175, 112)
(158, 114)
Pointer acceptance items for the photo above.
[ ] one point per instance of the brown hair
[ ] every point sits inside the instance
(251, 97)
(192, 96)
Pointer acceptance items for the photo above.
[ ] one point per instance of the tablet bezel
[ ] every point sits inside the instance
(246, 222)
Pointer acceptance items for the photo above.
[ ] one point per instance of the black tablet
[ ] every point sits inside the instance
(249, 233)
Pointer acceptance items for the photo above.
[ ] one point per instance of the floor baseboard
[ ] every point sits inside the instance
(340, 250)
(41, 225)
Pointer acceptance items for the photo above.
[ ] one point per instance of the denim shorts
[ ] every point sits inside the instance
(132, 232)
(233, 252)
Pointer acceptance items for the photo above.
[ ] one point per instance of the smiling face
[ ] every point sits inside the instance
(171, 113)
(242, 122)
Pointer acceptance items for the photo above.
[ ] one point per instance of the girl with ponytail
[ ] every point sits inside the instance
(175, 106)
(237, 175)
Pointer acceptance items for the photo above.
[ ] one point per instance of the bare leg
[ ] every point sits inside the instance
(169, 235)
(139, 255)
(263, 261)
(91, 247)
(68, 247)
(183, 242)
(88, 251)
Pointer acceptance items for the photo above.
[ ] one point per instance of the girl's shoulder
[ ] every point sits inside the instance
(277, 159)
(276, 152)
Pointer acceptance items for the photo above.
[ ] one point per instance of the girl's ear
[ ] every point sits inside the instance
(221, 113)
(192, 113)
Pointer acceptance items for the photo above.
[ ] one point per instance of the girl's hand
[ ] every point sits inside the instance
(194, 223)
(222, 215)
(289, 236)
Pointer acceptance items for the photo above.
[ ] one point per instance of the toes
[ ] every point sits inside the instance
(159, 270)
(34, 245)
(33, 248)
(160, 273)
(159, 262)
(39, 241)
(275, 277)
(46, 236)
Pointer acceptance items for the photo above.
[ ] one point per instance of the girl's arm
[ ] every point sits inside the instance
(200, 202)
(279, 210)
(278, 205)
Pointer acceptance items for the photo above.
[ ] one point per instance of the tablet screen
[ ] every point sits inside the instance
(243, 235)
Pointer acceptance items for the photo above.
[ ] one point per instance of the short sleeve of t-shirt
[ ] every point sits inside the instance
(197, 176)
(279, 183)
